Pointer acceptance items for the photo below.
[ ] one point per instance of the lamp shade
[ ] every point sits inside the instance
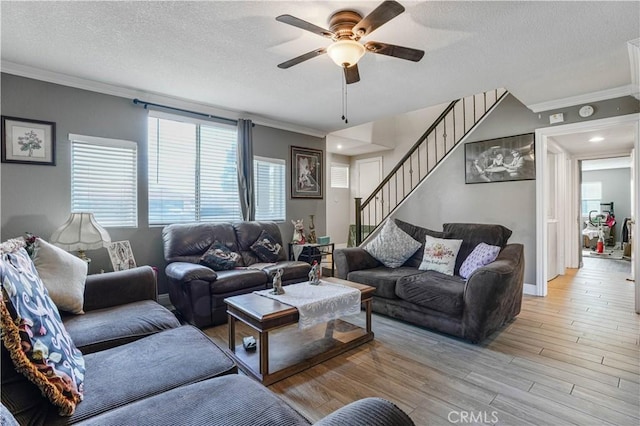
(80, 232)
(345, 52)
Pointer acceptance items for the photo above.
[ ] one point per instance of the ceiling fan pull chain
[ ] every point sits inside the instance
(344, 99)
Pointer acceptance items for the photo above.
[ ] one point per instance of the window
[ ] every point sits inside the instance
(339, 176)
(192, 171)
(104, 176)
(269, 188)
(591, 197)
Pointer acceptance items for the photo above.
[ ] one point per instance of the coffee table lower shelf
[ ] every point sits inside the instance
(292, 351)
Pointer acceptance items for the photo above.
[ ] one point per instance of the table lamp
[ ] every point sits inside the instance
(79, 233)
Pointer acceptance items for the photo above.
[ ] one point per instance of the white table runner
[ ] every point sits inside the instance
(318, 303)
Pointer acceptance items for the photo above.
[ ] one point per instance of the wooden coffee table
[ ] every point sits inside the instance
(293, 350)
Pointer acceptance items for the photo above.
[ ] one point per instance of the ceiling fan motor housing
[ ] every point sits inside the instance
(342, 22)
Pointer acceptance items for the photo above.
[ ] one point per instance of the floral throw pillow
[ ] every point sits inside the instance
(392, 246)
(440, 255)
(483, 254)
(266, 248)
(33, 334)
(219, 257)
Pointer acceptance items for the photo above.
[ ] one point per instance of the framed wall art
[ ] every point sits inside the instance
(27, 141)
(121, 255)
(500, 160)
(306, 172)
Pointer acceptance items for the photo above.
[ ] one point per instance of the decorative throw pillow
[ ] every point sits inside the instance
(34, 336)
(392, 246)
(482, 255)
(219, 257)
(266, 248)
(440, 255)
(63, 275)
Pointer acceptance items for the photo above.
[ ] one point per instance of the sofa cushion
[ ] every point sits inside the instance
(473, 234)
(238, 279)
(220, 258)
(144, 368)
(248, 232)
(63, 274)
(267, 248)
(440, 255)
(433, 290)
(292, 271)
(228, 400)
(418, 233)
(34, 336)
(391, 246)
(106, 328)
(482, 255)
(382, 278)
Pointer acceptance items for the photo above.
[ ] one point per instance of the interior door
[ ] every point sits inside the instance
(369, 176)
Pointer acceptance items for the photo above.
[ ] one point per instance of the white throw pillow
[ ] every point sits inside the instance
(63, 275)
(392, 246)
(440, 255)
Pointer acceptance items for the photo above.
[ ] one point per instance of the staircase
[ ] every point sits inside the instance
(455, 123)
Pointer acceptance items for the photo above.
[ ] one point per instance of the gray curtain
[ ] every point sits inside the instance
(245, 169)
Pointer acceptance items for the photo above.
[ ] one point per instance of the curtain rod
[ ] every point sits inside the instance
(201, 114)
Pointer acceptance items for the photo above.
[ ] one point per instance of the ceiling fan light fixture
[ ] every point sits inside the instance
(345, 52)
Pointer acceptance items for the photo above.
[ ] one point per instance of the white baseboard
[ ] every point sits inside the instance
(164, 300)
(530, 289)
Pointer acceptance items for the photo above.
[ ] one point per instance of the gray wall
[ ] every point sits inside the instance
(37, 198)
(338, 203)
(616, 187)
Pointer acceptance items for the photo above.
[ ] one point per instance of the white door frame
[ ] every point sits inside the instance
(542, 143)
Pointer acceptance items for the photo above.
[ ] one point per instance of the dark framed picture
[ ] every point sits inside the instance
(306, 172)
(500, 160)
(27, 141)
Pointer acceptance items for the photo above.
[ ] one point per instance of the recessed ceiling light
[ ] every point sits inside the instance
(596, 139)
(339, 146)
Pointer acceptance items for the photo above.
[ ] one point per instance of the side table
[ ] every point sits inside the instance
(325, 250)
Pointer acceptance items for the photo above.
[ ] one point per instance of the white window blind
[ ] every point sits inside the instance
(104, 176)
(591, 197)
(339, 176)
(269, 188)
(192, 172)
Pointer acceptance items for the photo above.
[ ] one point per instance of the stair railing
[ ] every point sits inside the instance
(453, 125)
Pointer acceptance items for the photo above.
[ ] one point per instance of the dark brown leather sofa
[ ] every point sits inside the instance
(198, 292)
(471, 309)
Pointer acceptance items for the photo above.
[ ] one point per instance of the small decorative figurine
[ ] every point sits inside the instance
(311, 238)
(277, 282)
(298, 232)
(314, 273)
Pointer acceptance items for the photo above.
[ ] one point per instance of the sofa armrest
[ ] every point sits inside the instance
(120, 287)
(367, 411)
(352, 259)
(186, 272)
(493, 294)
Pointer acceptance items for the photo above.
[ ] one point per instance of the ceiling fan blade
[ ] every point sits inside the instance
(396, 51)
(382, 14)
(351, 74)
(307, 26)
(302, 58)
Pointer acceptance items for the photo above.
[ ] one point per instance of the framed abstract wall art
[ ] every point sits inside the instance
(306, 172)
(500, 160)
(27, 141)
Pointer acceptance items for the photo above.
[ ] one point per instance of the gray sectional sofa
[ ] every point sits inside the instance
(143, 367)
(197, 291)
(471, 309)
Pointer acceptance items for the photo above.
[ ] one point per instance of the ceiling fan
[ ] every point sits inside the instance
(347, 27)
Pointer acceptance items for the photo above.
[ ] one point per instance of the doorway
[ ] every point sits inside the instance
(571, 218)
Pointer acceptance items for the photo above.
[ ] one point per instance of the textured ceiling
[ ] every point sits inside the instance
(224, 54)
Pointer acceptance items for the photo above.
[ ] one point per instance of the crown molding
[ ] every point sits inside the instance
(616, 92)
(132, 93)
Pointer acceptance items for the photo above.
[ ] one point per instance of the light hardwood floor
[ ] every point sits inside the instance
(570, 358)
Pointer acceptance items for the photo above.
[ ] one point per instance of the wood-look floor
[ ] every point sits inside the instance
(569, 358)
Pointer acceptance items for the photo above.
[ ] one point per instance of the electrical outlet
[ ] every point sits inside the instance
(556, 118)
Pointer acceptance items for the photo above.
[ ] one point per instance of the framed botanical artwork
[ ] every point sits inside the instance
(28, 141)
(500, 160)
(121, 255)
(306, 172)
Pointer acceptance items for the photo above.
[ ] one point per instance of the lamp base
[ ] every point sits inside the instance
(83, 256)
